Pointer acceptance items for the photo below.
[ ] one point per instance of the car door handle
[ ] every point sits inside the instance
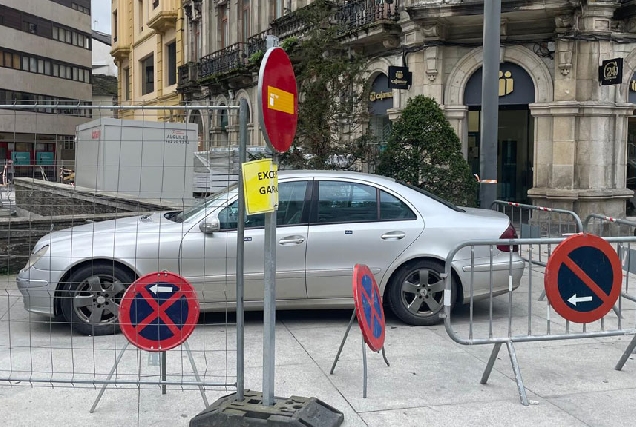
(394, 235)
(291, 240)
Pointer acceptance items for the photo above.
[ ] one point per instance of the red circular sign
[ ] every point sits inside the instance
(159, 311)
(583, 278)
(278, 98)
(369, 311)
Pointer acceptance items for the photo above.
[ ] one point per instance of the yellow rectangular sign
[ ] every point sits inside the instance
(280, 100)
(260, 186)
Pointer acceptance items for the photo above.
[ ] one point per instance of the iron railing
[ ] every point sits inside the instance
(360, 13)
(257, 43)
(222, 61)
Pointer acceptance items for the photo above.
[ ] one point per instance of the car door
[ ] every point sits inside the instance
(292, 220)
(354, 222)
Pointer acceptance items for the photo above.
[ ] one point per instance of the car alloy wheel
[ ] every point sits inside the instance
(92, 298)
(416, 292)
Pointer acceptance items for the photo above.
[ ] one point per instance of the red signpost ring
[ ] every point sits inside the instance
(159, 311)
(583, 278)
(278, 99)
(368, 303)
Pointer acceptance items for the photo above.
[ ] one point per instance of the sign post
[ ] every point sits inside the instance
(158, 312)
(278, 99)
(370, 314)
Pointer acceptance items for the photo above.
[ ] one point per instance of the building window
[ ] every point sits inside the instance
(155, 4)
(55, 33)
(246, 20)
(223, 26)
(278, 9)
(126, 88)
(140, 16)
(148, 75)
(114, 26)
(172, 63)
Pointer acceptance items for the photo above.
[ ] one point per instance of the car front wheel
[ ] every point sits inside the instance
(91, 298)
(416, 293)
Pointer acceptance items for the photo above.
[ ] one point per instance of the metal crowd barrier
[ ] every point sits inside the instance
(533, 222)
(605, 226)
(501, 324)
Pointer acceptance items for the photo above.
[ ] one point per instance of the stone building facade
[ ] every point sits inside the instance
(565, 140)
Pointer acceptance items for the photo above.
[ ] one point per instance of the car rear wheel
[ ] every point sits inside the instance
(416, 293)
(91, 298)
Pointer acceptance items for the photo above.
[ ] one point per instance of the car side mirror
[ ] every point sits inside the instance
(210, 225)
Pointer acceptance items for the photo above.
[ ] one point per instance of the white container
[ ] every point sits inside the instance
(148, 160)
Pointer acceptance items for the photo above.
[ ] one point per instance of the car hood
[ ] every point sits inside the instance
(142, 223)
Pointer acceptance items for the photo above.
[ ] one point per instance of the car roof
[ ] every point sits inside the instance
(287, 173)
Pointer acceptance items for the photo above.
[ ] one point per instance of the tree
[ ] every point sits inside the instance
(424, 150)
(332, 111)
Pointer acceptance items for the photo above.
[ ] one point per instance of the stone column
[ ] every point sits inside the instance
(584, 170)
(457, 115)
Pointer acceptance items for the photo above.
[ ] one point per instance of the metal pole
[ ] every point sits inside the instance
(163, 372)
(240, 257)
(269, 334)
(490, 102)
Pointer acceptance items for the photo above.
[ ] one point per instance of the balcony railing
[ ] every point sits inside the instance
(291, 25)
(222, 61)
(360, 13)
(257, 43)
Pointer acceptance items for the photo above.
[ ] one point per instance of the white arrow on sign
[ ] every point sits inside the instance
(156, 289)
(573, 300)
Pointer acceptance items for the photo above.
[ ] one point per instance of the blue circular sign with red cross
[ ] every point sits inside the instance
(159, 311)
(369, 311)
(583, 278)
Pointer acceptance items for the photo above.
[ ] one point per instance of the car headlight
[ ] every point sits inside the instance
(34, 258)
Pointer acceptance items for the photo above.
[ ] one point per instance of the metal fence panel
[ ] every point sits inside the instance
(509, 319)
(78, 275)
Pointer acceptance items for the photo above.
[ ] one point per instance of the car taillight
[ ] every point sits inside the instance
(510, 233)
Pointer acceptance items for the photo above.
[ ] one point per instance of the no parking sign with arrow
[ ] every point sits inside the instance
(583, 278)
(159, 311)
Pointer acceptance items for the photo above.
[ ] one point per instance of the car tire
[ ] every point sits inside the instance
(91, 298)
(409, 299)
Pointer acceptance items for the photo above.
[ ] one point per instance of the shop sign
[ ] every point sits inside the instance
(400, 77)
(610, 72)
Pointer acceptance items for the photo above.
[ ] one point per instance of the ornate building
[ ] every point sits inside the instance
(148, 48)
(565, 140)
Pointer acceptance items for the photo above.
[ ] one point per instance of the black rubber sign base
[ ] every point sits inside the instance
(286, 412)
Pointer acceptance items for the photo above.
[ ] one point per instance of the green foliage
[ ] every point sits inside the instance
(256, 57)
(289, 43)
(424, 150)
(332, 106)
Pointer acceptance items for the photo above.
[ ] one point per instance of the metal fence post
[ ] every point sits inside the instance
(240, 256)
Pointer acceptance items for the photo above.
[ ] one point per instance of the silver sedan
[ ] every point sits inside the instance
(326, 223)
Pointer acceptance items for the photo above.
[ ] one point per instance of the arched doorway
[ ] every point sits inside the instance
(380, 101)
(515, 145)
(195, 117)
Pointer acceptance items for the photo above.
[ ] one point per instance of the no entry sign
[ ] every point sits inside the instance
(583, 278)
(159, 311)
(278, 99)
(369, 311)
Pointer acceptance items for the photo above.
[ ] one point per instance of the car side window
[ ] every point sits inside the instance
(340, 202)
(291, 201)
(393, 209)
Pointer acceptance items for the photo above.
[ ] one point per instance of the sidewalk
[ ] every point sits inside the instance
(431, 381)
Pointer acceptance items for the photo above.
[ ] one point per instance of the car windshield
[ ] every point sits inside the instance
(433, 196)
(208, 204)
